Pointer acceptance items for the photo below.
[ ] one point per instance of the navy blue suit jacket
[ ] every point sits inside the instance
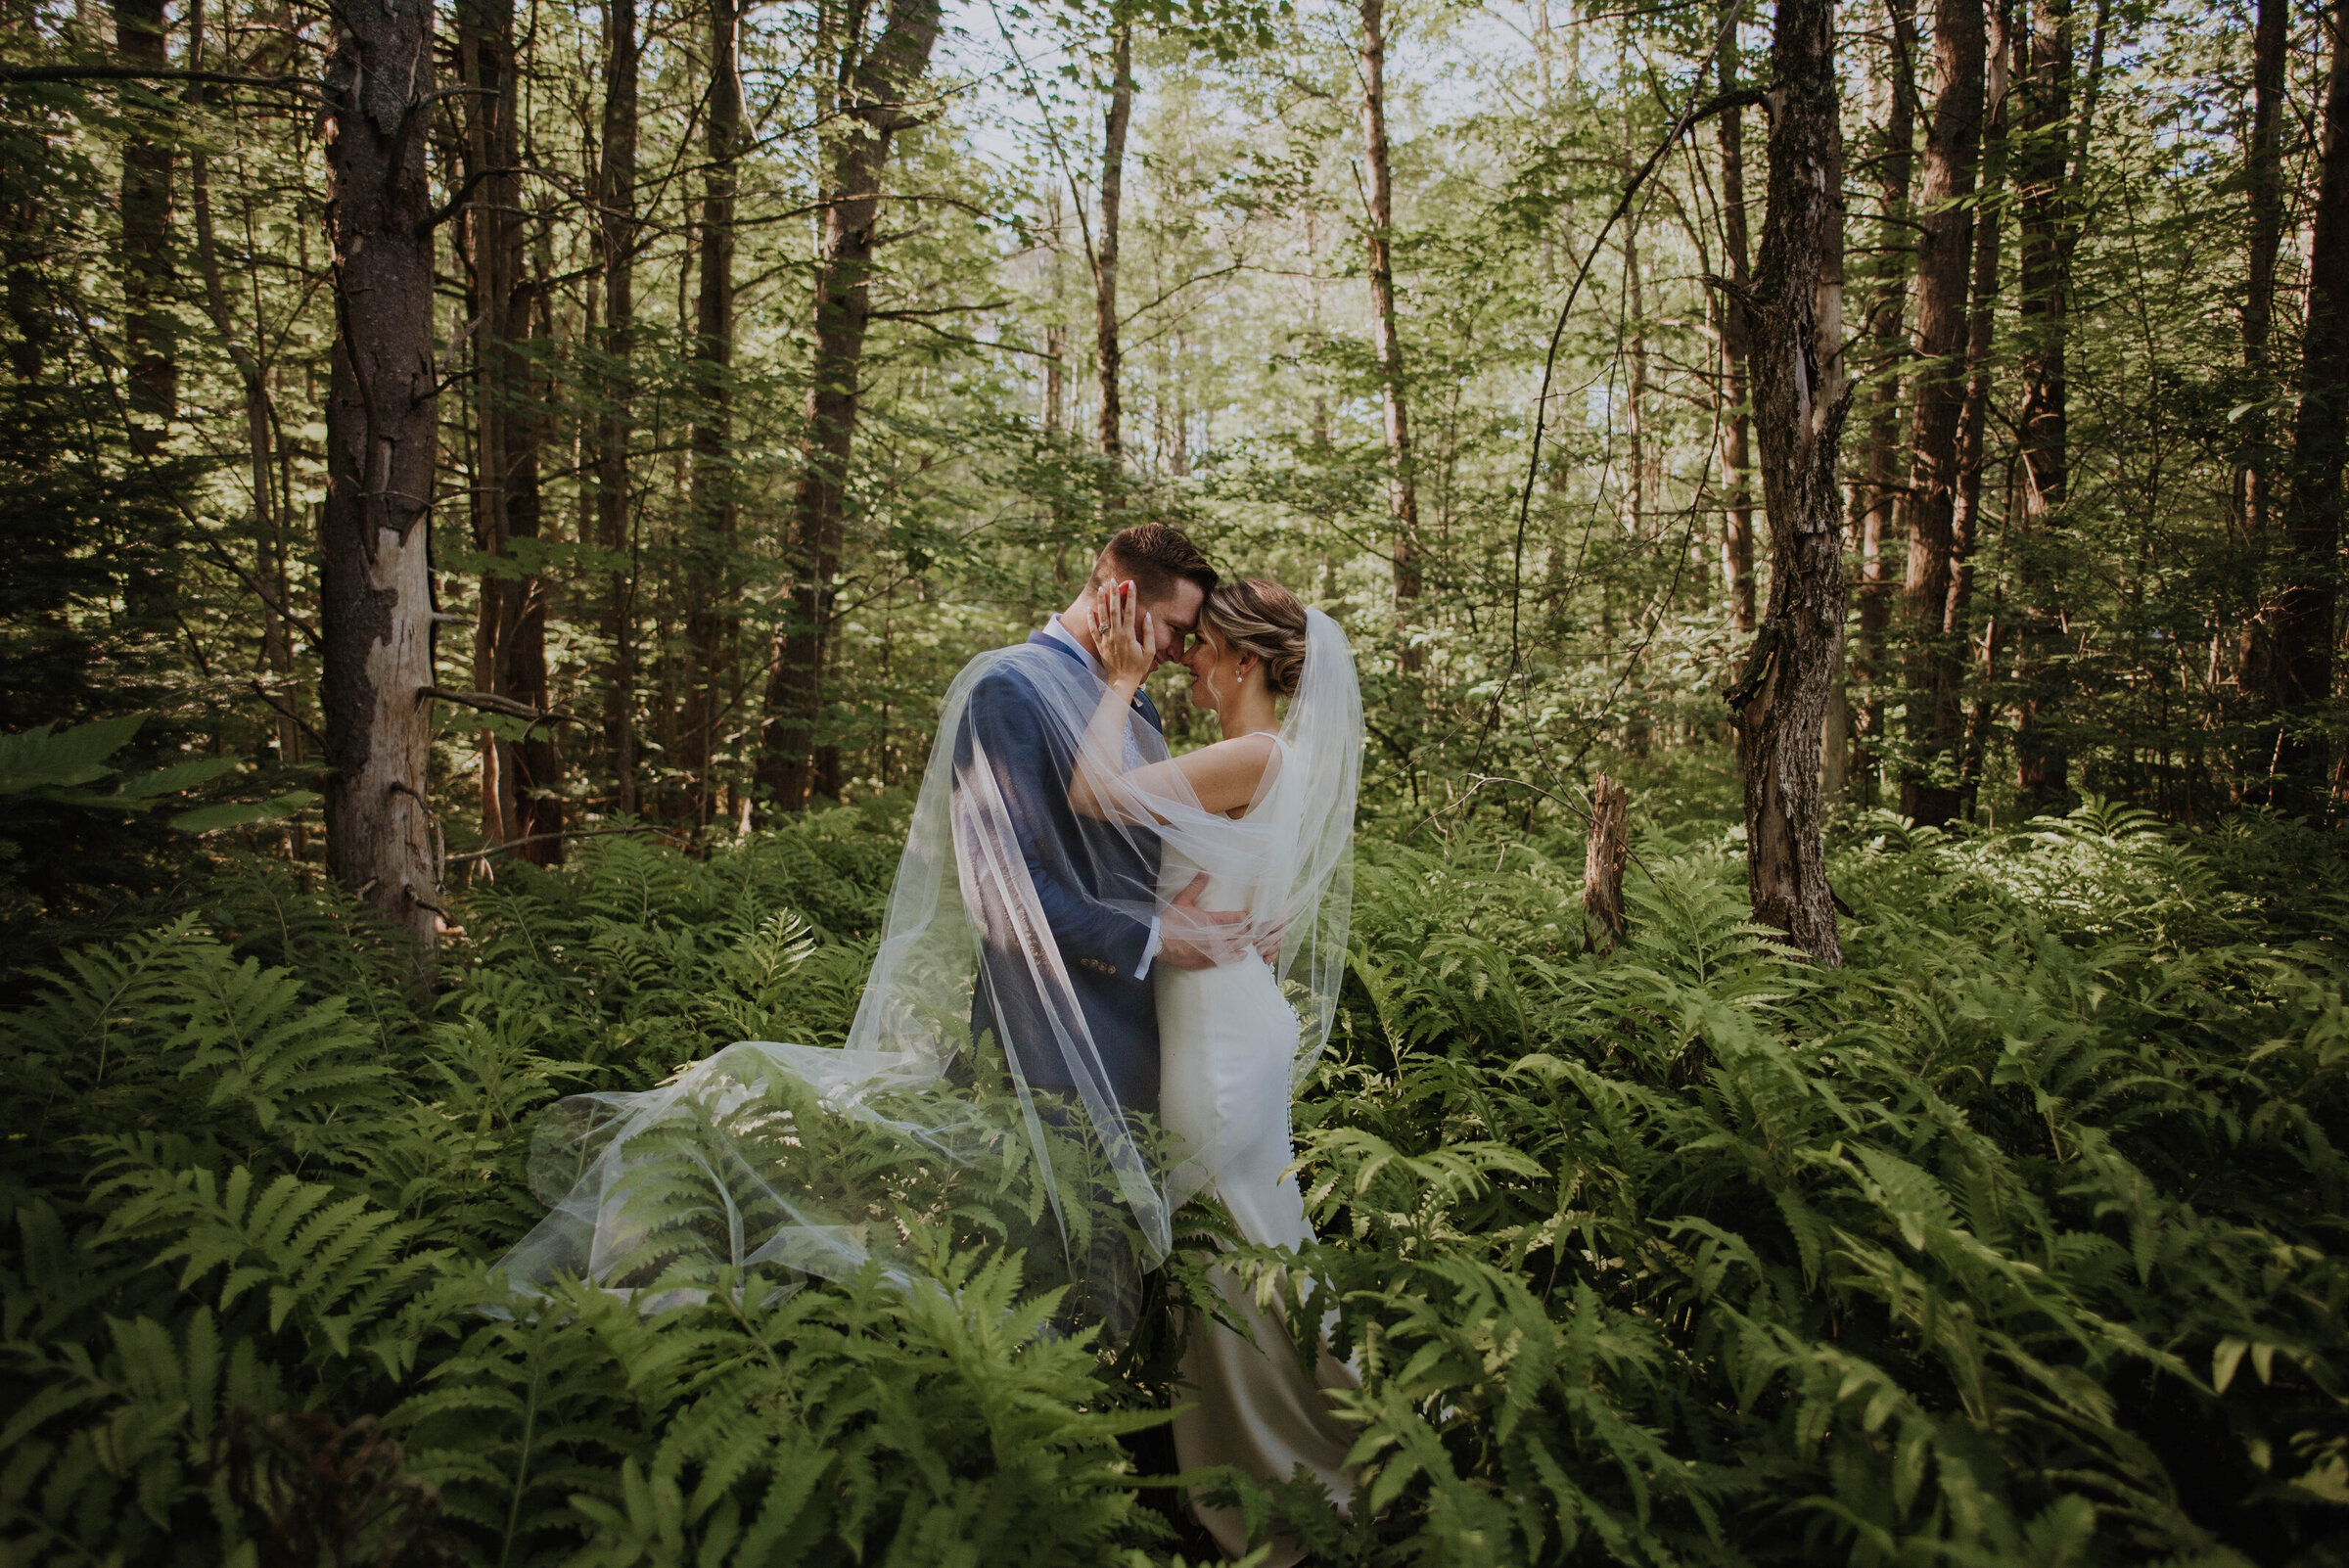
(1082, 870)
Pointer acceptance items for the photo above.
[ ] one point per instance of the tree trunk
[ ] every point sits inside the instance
(505, 487)
(375, 587)
(1109, 357)
(1608, 846)
(1737, 533)
(1641, 502)
(1875, 500)
(154, 372)
(1965, 520)
(1794, 322)
(616, 236)
(874, 108)
(2263, 158)
(529, 767)
(268, 536)
(711, 510)
(1386, 346)
(27, 217)
(2042, 762)
(1945, 245)
(2305, 618)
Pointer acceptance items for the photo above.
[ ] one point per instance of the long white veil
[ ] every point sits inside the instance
(1036, 1130)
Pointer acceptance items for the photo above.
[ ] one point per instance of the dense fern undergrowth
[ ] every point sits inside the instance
(2018, 1241)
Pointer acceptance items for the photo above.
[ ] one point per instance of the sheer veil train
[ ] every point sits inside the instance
(807, 1159)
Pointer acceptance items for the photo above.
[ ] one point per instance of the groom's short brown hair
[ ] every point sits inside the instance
(1156, 557)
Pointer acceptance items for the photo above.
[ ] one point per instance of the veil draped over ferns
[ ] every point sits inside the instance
(2018, 1239)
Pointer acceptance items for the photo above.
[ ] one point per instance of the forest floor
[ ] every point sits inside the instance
(2017, 1239)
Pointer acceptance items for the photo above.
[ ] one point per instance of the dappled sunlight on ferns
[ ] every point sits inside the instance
(2015, 1240)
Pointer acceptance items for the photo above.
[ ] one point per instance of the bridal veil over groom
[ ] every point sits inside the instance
(1102, 971)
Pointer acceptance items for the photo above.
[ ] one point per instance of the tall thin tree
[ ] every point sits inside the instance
(1965, 515)
(145, 205)
(1876, 497)
(1386, 343)
(1109, 355)
(711, 507)
(2307, 612)
(1794, 322)
(615, 425)
(879, 80)
(2042, 755)
(2263, 181)
(375, 557)
(1737, 424)
(510, 625)
(1929, 790)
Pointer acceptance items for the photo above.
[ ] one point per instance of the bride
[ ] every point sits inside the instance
(1229, 1038)
(1012, 1081)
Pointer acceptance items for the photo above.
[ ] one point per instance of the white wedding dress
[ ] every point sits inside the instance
(1228, 1045)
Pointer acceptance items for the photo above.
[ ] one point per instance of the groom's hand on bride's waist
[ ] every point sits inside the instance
(1192, 938)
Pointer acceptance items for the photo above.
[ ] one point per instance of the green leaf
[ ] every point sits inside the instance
(212, 818)
(38, 759)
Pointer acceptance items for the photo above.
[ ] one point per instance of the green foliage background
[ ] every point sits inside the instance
(2018, 1240)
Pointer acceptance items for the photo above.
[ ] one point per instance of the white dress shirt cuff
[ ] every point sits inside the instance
(1149, 951)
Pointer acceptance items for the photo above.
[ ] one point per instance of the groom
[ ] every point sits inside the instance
(1090, 876)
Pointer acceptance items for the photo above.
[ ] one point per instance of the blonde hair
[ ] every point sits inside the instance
(1258, 616)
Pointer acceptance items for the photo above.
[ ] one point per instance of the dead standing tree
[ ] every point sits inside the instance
(1794, 330)
(375, 588)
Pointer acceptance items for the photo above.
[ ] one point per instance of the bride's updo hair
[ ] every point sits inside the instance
(1258, 616)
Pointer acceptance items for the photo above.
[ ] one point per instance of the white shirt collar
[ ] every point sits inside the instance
(1053, 629)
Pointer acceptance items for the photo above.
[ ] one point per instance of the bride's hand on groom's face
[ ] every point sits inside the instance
(1192, 938)
(1125, 634)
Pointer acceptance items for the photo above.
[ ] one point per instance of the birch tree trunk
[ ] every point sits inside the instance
(375, 587)
(1945, 248)
(1402, 490)
(1794, 321)
(791, 762)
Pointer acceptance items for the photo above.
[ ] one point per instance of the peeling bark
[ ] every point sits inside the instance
(375, 590)
(1795, 320)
